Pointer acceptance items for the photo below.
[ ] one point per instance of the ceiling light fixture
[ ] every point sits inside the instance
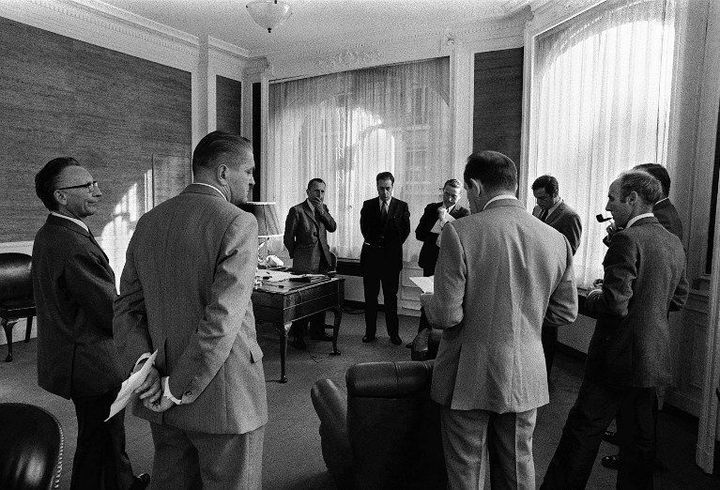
(269, 14)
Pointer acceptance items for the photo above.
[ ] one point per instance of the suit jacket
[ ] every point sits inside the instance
(668, 216)
(186, 291)
(383, 244)
(565, 220)
(74, 289)
(500, 274)
(429, 251)
(306, 237)
(644, 279)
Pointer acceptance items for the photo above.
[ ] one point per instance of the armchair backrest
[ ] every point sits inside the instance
(394, 426)
(15, 278)
(31, 447)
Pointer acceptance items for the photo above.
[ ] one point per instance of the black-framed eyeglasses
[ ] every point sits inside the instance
(89, 186)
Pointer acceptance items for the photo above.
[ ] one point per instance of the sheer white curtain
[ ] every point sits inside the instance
(347, 127)
(600, 98)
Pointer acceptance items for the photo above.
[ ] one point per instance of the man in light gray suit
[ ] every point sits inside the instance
(185, 292)
(500, 274)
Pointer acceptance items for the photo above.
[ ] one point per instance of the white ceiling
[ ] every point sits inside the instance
(321, 24)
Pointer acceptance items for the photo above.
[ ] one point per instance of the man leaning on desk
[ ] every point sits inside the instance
(305, 238)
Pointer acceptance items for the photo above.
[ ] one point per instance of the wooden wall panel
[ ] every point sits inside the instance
(497, 113)
(110, 111)
(228, 105)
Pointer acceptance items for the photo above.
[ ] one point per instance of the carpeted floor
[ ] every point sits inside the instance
(292, 458)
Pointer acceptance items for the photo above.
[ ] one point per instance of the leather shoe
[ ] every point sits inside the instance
(395, 339)
(368, 338)
(321, 336)
(299, 344)
(141, 481)
(612, 461)
(610, 437)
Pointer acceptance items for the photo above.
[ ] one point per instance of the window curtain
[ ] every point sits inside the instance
(347, 127)
(600, 99)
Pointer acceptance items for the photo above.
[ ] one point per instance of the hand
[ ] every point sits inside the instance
(442, 211)
(151, 389)
(160, 406)
(425, 299)
(597, 284)
(318, 205)
(593, 293)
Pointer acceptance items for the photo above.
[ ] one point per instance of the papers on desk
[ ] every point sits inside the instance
(128, 387)
(427, 284)
(272, 276)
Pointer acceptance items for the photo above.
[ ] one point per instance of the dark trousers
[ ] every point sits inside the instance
(549, 336)
(100, 460)
(390, 280)
(594, 409)
(427, 272)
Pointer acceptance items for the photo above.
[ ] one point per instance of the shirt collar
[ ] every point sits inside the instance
(661, 200)
(638, 218)
(388, 202)
(497, 198)
(212, 187)
(74, 220)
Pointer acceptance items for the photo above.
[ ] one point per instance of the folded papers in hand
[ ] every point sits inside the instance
(128, 387)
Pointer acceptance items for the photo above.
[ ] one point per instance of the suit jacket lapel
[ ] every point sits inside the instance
(55, 220)
(310, 212)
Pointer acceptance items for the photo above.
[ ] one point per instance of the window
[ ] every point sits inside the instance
(600, 97)
(347, 127)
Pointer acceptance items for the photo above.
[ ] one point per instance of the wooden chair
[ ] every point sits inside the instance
(16, 295)
(31, 447)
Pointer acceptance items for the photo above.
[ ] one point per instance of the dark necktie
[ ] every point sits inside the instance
(543, 215)
(383, 213)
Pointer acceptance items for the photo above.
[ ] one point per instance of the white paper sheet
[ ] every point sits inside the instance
(129, 386)
(427, 284)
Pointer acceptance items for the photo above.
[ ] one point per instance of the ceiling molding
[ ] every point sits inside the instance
(107, 27)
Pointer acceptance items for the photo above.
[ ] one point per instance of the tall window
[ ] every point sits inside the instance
(600, 97)
(347, 127)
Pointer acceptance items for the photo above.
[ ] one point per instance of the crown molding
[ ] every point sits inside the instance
(106, 26)
(313, 61)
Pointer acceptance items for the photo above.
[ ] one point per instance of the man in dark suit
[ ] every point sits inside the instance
(668, 216)
(385, 225)
(628, 357)
(305, 238)
(552, 210)
(74, 289)
(185, 291)
(434, 217)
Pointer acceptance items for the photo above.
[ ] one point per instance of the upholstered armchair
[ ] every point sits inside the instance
(31, 447)
(387, 433)
(16, 295)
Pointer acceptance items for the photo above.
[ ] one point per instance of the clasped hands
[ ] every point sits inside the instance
(151, 391)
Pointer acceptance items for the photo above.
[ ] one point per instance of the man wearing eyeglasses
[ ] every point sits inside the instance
(74, 289)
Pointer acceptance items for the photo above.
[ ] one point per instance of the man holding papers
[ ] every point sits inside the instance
(434, 217)
(74, 289)
(185, 291)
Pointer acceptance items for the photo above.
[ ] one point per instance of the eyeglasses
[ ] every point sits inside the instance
(89, 186)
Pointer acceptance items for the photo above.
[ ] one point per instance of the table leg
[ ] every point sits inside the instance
(283, 350)
(336, 330)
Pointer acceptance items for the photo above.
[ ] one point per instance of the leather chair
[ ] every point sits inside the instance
(16, 295)
(31, 447)
(387, 435)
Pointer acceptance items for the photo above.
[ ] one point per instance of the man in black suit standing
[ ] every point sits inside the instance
(385, 225)
(628, 357)
(552, 210)
(434, 217)
(74, 289)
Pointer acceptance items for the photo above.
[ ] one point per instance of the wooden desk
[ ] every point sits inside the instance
(281, 303)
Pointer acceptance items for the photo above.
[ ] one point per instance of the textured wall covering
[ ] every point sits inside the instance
(228, 106)
(111, 111)
(497, 114)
